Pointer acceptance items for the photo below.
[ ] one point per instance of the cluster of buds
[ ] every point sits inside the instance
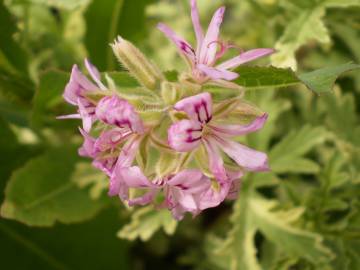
(174, 144)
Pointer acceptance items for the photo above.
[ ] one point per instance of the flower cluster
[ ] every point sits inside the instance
(173, 145)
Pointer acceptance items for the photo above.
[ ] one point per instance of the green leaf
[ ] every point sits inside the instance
(307, 26)
(342, 119)
(323, 80)
(264, 77)
(11, 55)
(341, 3)
(239, 245)
(287, 155)
(86, 175)
(146, 221)
(16, 154)
(107, 19)
(253, 213)
(41, 192)
(43, 248)
(66, 4)
(319, 81)
(277, 227)
(48, 98)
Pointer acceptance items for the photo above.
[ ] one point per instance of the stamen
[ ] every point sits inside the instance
(224, 47)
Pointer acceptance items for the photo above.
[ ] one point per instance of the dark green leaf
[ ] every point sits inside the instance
(65, 246)
(323, 80)
(41, 192)
(264, 77)
(107, 19)
(15, 58)
(48, 99)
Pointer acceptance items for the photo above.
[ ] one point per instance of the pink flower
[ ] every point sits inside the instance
(116, 147)
(201, 128)
(187, 191)
(77, 89)
(203, 59)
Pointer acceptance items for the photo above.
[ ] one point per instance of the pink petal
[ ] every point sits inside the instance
(106, 165)
(128, 152)
(131, 177)
(87, 149)
(77, 86)
(114, 110)
(185, 135)
(186, 200)
(94, 73)
(183, 46)
(184, 190)
(125, 160)
(234, 190)
(110, 139)
(196, 24)
(235, 178)
(178, 212)
(190, 181)
(198, 108)
(124, 178)
(212, 198)
(135, 178)
(245, 157)
(245, 57)
(217, 74)
(216, 163)
(209, 45)
(86, 113)
(69, 116)
(145, 199)
(236, 130)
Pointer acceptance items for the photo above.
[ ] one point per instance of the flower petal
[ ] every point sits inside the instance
(218, 74)
(178, 212)
(94, 73)
(190, 181)
(235, 178)
(128, 152)
(185, 135)
(114, 110)
(212, 198)
(184, 191)
(106, 165)
(86, 111)
(245, 57)
(183, 46)
(110, 139)
(131, 177)
(250, 159)
(196, 24)
(145, 199)
(125, 160)
(134, 177)
(216, 163)
(77, 86)
(236, 130)
(198, 107)
(69, 116)
(209, 45)
(87, 149)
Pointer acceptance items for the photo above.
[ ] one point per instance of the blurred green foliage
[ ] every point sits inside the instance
(304, 214)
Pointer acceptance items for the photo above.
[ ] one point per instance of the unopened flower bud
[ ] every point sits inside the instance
(138, 65)
(116, 111)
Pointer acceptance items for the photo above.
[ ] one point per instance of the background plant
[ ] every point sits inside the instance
(302, 215)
